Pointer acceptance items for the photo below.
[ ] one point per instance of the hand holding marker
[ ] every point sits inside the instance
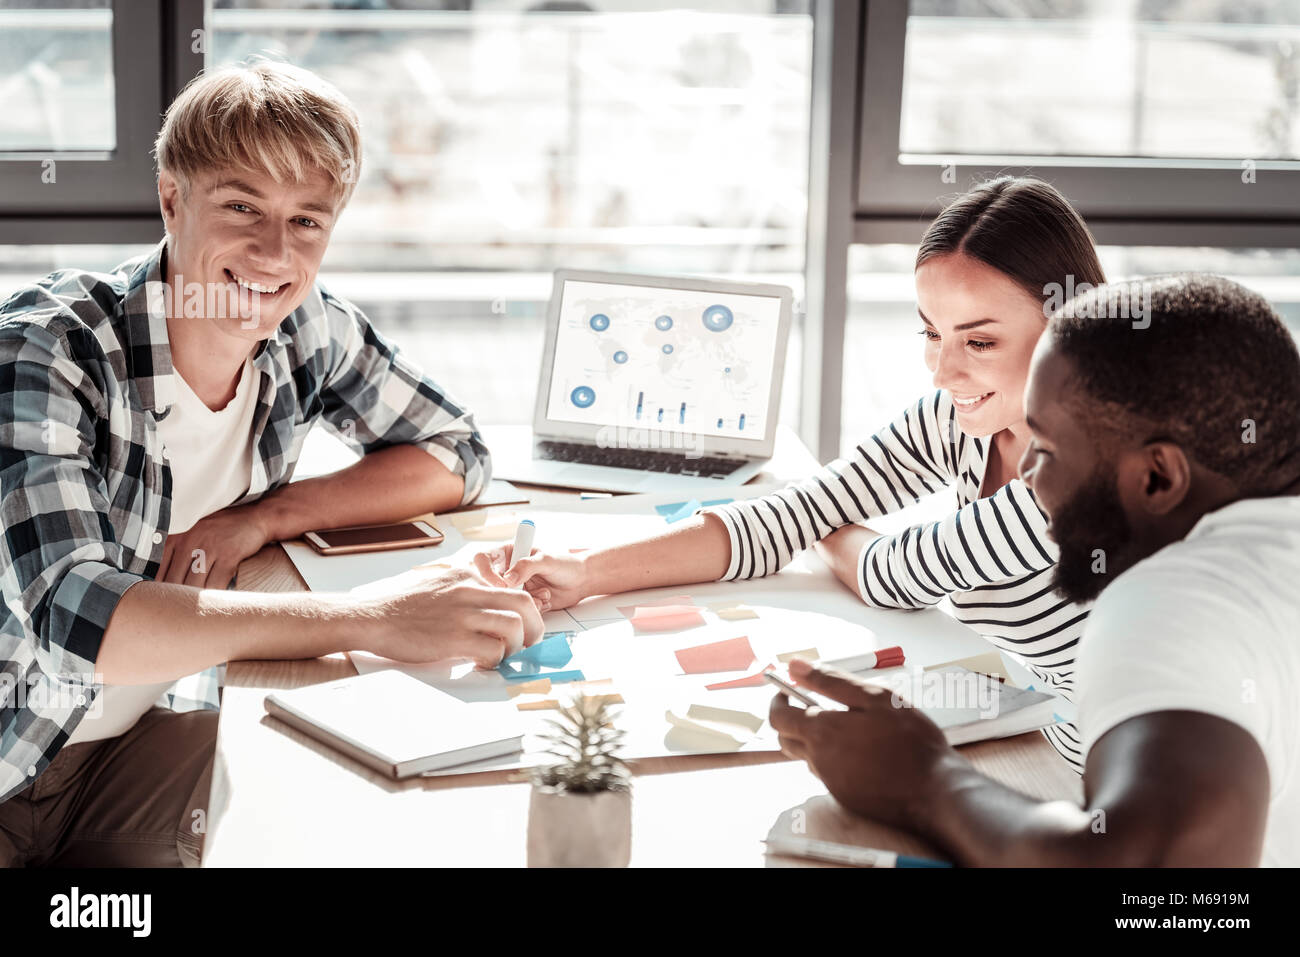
(523, 546)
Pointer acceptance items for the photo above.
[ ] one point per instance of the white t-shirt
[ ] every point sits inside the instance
(1210, 623)
(211, 459)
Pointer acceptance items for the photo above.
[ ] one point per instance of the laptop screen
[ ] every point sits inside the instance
(661, 358)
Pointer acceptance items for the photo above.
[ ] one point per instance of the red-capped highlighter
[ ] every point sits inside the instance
(882, 658)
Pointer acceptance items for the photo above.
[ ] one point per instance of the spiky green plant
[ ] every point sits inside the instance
(586, 743)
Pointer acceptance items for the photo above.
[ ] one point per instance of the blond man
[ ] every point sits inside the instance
(152, 418)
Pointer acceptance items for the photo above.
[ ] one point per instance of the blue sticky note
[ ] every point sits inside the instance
(676, 511)
(557, 677)
(686, 511)
(552, 651)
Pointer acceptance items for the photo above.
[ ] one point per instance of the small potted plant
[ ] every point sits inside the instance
(580, 812)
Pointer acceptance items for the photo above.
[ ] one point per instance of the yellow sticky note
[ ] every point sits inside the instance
(988, 663)
(725, 716)
(479, 518)
(809, 653)
(736, 613)
(490, 533)
(729, 735)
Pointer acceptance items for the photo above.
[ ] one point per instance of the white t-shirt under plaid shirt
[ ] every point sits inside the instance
(86, 495)
(991, 557)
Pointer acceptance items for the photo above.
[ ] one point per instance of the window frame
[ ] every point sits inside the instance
(1126, 201)
(110, 196)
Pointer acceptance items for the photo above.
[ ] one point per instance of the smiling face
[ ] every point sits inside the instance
(252, 244)
(980, 329)
(1074, 482)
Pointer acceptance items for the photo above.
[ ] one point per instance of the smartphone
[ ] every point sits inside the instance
(791, 690)
(373, 538)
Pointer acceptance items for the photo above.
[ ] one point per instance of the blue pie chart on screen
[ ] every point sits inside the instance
(583, 396)
(620, 357)
(664, 323)
(718, 318)
(600, 322)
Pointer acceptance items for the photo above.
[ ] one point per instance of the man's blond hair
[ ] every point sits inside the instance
(262, 115)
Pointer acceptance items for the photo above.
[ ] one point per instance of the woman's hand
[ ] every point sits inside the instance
(554, 581)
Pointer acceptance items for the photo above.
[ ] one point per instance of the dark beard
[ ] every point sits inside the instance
(1092, 520)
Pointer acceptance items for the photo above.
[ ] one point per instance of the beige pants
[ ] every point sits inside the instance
(128, 801)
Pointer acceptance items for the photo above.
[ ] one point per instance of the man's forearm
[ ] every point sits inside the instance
(162, 632)
(390, 485)
(980, 822)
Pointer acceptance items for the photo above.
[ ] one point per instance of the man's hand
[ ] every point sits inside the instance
(208, 555)
(430, 614)
(876, 759)
(554, 581)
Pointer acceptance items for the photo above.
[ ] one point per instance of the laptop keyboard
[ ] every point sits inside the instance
(644, 460)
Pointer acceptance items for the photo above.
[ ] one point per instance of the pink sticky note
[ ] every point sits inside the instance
(629, 611)
(749, 681)
(666, 617)
(733, 654)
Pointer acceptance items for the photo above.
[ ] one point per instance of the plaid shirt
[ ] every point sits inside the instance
(85, 493)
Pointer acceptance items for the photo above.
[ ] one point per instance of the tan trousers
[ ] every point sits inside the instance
(129, 801)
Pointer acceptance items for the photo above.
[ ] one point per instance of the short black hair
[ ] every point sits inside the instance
(1194, 359)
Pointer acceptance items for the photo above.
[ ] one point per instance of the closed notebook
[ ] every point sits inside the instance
(399, 725)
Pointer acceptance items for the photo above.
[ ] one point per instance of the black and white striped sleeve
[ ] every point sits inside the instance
(911, 458)
(995, 539)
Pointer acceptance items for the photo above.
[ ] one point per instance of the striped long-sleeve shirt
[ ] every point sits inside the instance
(85, 490)
(991, 557)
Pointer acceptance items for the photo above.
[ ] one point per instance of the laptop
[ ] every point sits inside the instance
(653, 384)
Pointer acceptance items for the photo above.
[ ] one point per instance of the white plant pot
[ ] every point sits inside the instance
(579, 830)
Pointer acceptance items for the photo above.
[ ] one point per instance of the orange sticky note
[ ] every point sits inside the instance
(666, 618)
(734, 654)
(750, 681)
(629, 611)
(540, 686)
(544, 704)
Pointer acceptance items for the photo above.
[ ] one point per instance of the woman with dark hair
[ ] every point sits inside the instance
(984, 270)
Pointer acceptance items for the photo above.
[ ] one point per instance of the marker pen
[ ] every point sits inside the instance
(845, 853)
(884, 658)
(523, 546)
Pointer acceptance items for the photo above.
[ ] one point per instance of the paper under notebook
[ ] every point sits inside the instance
(971, 706)
(399, 725)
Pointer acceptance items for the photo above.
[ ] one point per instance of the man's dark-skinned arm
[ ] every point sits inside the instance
(1169, 788)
